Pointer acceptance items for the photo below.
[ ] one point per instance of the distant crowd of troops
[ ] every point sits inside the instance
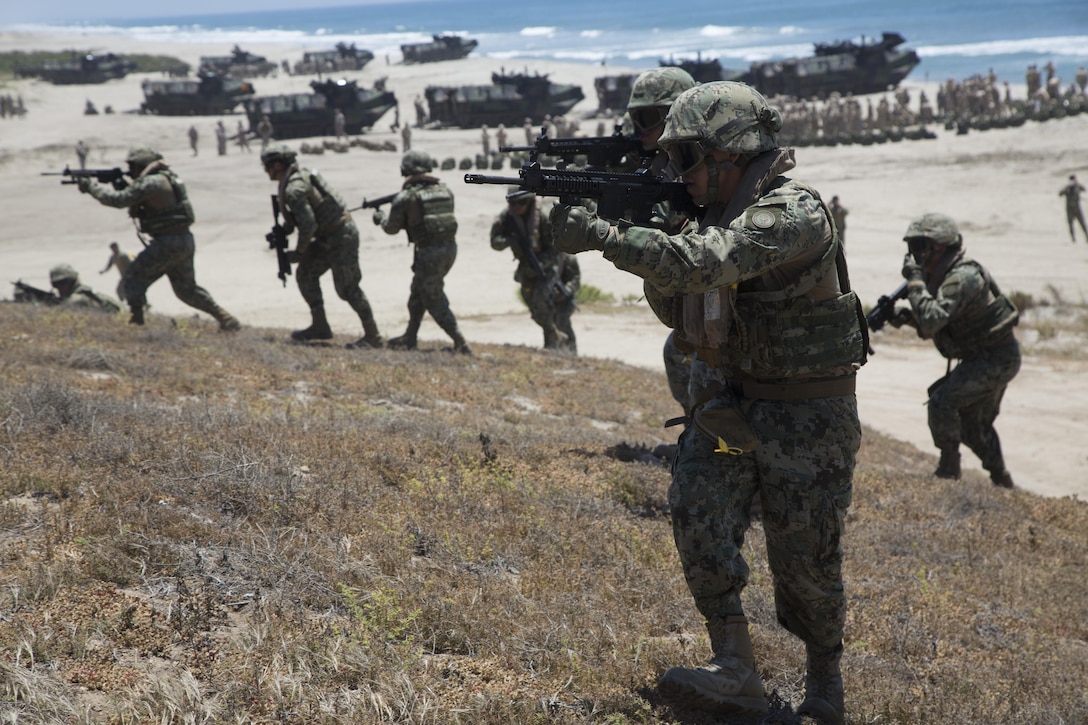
(12, 107)
(978, 102)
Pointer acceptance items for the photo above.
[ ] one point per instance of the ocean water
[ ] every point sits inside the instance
(954, 38)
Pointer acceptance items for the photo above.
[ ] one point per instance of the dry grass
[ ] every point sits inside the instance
(197, 527)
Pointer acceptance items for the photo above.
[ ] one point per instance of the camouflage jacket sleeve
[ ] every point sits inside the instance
(960, 288)
(294, 195)
(783, 224)
(397, 218)
(132, 195)
(501, 237)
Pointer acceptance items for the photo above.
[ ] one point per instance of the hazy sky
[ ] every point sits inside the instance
(21, 11)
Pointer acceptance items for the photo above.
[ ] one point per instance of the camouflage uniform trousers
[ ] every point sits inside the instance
(172, 255)
(338, 252)
(802, 472)
(1073, 213)
(548, 312)
(689, 377)
(430, 265)
(964, 404)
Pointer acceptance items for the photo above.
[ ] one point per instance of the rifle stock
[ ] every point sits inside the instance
(277, 239)
(616, 193)
(884, 310)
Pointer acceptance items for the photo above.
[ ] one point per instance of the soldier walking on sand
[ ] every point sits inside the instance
(242, 138)
(327, 240)
(424, 208)
(955, 302)
(194, 136)
(838, 214)
(221, 138)
(81, 153)
(120, 260)
(406, 138)
(1073, 212)
(157, 199)
(265, 131)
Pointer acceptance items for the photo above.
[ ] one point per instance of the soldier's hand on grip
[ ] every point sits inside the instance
(379, 217)
(576, 230)
(911, 269)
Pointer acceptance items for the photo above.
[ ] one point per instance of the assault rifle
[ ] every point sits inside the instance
(601, 152)
(106, 176)
(374, 203)
(884, 310)
(277, 239)
(27, 293)
(616, 193)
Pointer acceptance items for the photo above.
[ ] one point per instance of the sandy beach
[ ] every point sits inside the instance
(1001, 186)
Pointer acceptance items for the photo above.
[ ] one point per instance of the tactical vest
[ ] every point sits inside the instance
(430, 216)
(774, 329)
(983, 324)
(330, 211)
(173, 218)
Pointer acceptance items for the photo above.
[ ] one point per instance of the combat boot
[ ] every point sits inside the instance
(729, 685)
(227, 322)
(403, 342)
(1001, 478)
(137, 316)
(949, 465)
(318, 330)
(370, 340)
(460, 344)
(823, 687)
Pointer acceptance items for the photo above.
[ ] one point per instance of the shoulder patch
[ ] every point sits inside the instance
(763, 218)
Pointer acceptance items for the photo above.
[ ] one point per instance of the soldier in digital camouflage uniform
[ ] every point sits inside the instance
(327, 240)
(1073, 212)
(424, 208)
(523, 228)
(652, 95)
(955, 302)
(65, 280)
(759, 292)
(157, 199)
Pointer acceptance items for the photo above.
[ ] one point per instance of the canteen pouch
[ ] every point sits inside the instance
(726, 427)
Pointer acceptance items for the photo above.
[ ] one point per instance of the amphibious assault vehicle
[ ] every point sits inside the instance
(509, 100)
(841, 67)
(341, 58)
(613, 92)
(210, 94)
(298, 115)
(81, 68)
(239, 64)
(442, 47)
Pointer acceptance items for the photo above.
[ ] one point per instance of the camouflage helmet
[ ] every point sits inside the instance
(278, 152)
(142, 156)
(935, 228)
(723, 115)
(63, 272)
(516, 192)
(659, 87)
(416, 162)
